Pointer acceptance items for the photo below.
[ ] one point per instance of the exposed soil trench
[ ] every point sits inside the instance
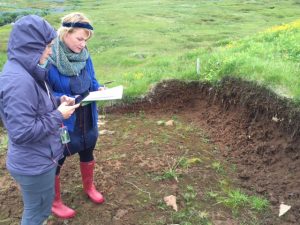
(254, 128)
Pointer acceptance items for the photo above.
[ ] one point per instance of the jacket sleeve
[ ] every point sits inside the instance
(24, 120)
(95, 84)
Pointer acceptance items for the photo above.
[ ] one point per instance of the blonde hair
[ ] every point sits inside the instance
(75, 17)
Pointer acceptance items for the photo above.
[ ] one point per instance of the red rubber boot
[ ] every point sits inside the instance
(87, 174)
(59, 209)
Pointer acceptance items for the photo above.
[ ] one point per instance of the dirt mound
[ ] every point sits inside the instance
(255, 129)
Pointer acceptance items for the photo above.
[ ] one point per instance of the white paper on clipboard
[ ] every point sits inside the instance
(107, 94)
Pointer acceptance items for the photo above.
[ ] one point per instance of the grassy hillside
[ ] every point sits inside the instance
(271, 57)
(138, 42)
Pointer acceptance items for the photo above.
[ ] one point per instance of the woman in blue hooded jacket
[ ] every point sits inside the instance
(72, 74)
(30, 114)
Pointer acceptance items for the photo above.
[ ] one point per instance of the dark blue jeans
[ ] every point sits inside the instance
(38, 194)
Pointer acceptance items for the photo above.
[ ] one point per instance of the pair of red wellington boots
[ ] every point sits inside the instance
(59, 209)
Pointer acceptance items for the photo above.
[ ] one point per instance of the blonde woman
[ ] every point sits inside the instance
(72, 74)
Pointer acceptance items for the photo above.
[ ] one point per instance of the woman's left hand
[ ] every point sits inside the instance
(68, 100)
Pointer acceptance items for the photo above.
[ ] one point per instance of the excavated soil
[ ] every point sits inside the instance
(252, 128)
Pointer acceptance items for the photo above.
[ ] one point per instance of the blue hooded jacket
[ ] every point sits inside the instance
(28, 112)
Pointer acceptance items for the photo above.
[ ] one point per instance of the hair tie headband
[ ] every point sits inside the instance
(78, 25)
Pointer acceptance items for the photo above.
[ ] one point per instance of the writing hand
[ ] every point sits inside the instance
(101, 88)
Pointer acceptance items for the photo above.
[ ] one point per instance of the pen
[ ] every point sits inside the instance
(108, 82)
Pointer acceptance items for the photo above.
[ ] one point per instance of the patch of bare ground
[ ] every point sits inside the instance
(255, 129)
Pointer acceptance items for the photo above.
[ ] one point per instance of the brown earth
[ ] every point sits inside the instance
(237, 123)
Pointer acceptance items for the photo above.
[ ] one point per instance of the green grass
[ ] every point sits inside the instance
(3, 141)
(237, 201)
(171, 173)
(270, 58)
(185, 163)
(258, 204)
(217, 166)
(192, 212)
(138, 43)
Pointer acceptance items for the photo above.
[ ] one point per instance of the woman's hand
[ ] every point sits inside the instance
(67, 110)
(101, 88)
(67, 99)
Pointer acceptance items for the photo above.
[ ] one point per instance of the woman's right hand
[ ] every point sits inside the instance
(67, 110)
(69, 100)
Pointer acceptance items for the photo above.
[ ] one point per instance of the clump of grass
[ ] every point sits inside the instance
(190, 195)
(185, 163)
(217, 166)
(3, 141)
(191, 213)
(258, 204)
(171, 174)
(236, 200)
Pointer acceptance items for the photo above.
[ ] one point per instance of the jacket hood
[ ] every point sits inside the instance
(28, 39)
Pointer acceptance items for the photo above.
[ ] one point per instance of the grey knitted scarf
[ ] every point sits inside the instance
(66, 61)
